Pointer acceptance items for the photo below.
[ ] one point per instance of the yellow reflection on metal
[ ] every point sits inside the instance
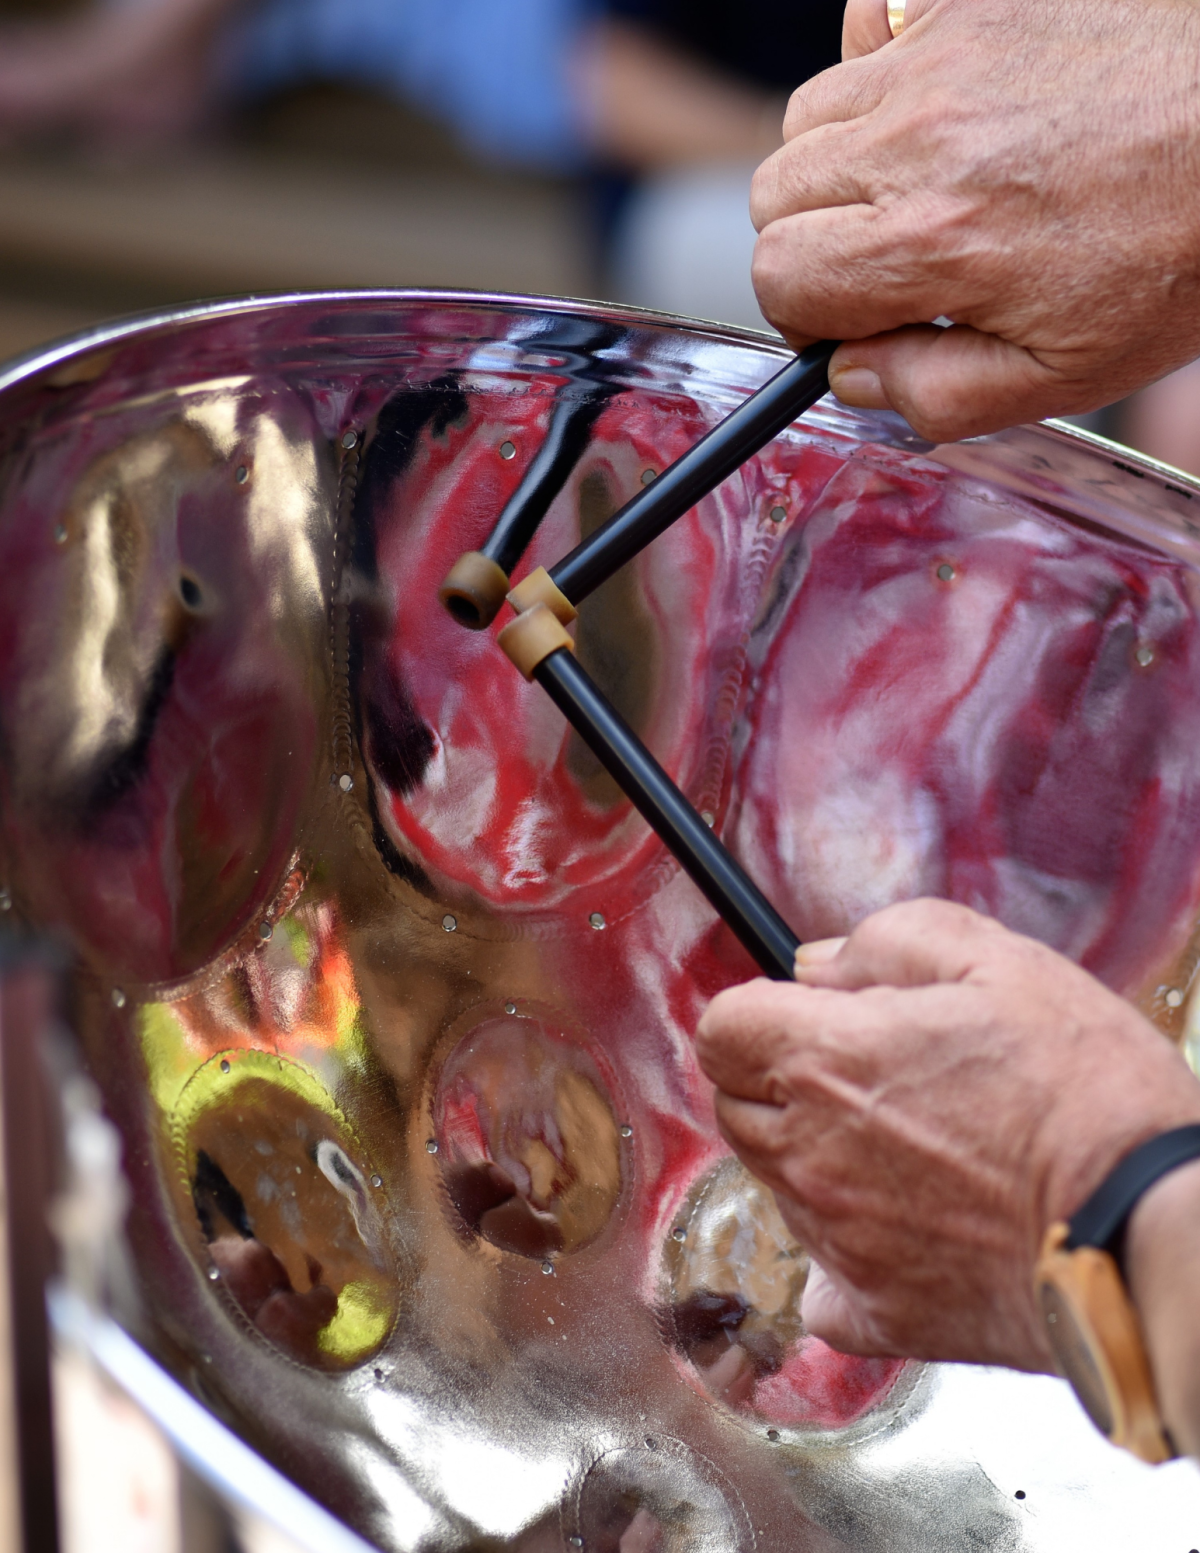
(287, 1203)
(282, 1188)
(295, 994)
(364, 1318)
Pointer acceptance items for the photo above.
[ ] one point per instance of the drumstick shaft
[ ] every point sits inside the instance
(566, 438)
(703, 467)
(475, 586)
(719, 875)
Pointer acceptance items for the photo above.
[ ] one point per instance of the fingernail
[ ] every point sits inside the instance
(860, 387)
(819, 952)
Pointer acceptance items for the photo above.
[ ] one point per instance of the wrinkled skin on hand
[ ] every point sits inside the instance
(1028, 170)
(932, 1095)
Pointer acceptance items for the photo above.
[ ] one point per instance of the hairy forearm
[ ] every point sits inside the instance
(1162, 1259)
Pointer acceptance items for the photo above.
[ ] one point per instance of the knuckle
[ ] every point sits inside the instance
(803, 107)
(773, 273)
(935, 415)
(764, 193)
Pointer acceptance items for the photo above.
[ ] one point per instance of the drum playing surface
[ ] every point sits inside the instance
(391, 992)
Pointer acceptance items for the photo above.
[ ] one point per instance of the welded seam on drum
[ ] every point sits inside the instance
(339, 612)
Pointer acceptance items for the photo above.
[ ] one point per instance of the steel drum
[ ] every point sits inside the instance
(391, 994)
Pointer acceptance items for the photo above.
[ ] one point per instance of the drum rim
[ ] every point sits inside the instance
(26, 367)
(55, 353)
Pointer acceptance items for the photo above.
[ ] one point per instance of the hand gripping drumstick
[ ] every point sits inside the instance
(537, 642)
(477, 583)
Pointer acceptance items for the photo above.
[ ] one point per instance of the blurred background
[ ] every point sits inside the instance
(157, 151)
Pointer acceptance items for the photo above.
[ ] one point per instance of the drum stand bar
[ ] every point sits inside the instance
(477, 584)
(538, 644)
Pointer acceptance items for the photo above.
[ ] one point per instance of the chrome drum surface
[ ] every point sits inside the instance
(392, 994)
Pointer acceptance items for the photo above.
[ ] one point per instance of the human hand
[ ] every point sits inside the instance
(1030, 170)
(930, 1097)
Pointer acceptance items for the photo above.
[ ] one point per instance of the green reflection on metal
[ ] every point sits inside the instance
(170, 1057)
(211, 1084)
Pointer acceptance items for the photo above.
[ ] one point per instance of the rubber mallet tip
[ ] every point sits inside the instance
(474, 589)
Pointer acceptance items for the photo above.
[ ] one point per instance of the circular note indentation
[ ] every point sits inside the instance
(280, 1187)
(735, 1279)
(657, 1497)
(527, 1139)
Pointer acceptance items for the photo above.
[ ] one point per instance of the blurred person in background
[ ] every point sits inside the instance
(1163, 420)
(664, 106)
(682, 236)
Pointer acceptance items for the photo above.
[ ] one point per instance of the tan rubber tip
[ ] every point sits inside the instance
(540, 588)
(474, 590)
(532, 636)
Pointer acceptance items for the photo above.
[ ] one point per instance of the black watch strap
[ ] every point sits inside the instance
(1102, 1219)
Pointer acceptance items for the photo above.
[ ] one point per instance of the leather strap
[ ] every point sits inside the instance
(1102, 1219)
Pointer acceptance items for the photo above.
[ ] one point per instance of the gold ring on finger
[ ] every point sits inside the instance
(895, 13)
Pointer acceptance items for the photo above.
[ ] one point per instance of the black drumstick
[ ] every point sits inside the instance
(703, 467)
(539, 646)
(477, 583)
(474, 589)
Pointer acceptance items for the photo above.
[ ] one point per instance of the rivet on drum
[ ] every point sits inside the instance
(777, 514)
(431, 1146)
(548, 1269)
(118, 998)
(345, 782)
(349, 440)
(241, 474)
(679, 1233)
(648, 475)
(1144, 656)
(214, 1274)
(597, 920)
(773, 1436)
(625, 1130)
(450, 923)
(510, 1008)
(946, 572)
(708, 817)
(1174, 998)
(377, 1181)
(265, 931)
(508, 450)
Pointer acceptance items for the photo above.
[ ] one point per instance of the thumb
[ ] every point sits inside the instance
(949, 383)
(834, 1314)
(912, 944)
